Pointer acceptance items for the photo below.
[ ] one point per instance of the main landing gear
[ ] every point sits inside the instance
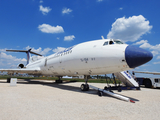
(59, 79)
(85, 87)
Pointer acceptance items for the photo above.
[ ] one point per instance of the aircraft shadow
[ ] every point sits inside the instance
(150, 88)
(64, 87)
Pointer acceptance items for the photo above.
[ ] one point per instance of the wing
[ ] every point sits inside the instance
(24, 70)
(154, 73)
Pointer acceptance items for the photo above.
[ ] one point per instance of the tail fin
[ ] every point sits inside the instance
(28, 55)
(27, 52)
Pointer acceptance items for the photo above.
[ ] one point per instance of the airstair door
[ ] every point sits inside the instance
(126, 78)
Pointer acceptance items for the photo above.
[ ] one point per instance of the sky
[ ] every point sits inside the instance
(48, 26)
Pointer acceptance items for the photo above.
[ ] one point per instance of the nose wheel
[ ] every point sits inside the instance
(100, 93)
(85, 87)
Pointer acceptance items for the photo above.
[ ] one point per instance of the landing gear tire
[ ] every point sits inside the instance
(105, 88)
(84, 87)
(148, 84)
(87, 87)
(100, 93)
(119, 89)
(59, 81)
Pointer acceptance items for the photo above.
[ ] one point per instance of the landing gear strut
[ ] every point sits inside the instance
(8, 80)
(59, 79)
(85, 87)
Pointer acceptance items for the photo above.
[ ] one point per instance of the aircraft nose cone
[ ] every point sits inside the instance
(136, 56)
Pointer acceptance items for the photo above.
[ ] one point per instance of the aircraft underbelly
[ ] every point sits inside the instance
(89, 67)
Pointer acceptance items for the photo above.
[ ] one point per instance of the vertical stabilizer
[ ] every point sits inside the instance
(28, 55)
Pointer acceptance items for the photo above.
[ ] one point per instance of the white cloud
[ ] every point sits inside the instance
(45, 51)
(44, 10)
(99, 0)
(149, 46)
(23, 60)
(69, 38)
(156, 47)
(66, 11)
(120, 8)
(155, 53)
(58, 49)
(9, 61)
(129, 29)
(10, 57)
(39, 50)
(46, 28)
(41, 1)
(158, 57)
(145, 45)
(156, 62)
(3, 50)
(141, 42)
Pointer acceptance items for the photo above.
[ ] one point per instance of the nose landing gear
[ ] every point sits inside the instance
(85, 87)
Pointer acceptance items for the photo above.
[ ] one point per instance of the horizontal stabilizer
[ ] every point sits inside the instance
(23, 51)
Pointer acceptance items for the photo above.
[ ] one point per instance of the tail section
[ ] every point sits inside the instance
(28, 52)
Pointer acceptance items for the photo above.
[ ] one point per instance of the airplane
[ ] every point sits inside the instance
(97, 57)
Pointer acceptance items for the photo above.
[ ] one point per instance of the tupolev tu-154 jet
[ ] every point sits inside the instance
(96, 57)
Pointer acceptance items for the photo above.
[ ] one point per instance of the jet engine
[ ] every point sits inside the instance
(20, 66)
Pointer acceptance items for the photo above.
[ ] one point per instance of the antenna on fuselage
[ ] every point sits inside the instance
(102, 37)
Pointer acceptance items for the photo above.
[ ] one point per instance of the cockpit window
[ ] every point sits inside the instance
(118, 42)
(106, 43)
(111, 42)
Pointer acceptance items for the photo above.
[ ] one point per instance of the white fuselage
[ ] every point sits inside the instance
(89, 58)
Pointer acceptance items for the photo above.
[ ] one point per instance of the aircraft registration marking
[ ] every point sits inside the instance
(87, 59)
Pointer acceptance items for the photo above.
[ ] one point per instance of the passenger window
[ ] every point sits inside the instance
(106, 43)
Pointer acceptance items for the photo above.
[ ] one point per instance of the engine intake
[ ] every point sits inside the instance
(20, 66)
